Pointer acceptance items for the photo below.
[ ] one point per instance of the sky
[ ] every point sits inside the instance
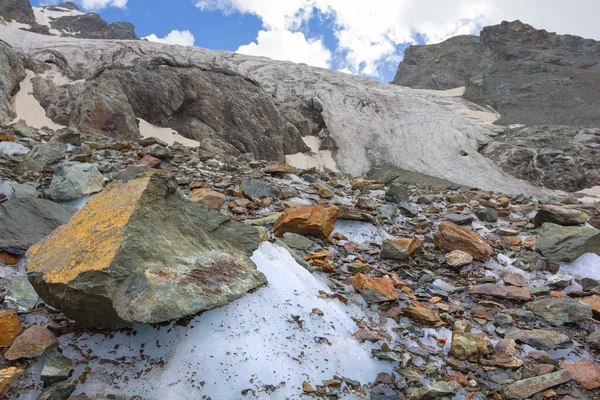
(362, 37)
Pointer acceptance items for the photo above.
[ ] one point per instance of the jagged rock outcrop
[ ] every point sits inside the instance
(556, 157)
(529, 76)
(236, 104)
(11, 73)
(17, 10)
(139, 252)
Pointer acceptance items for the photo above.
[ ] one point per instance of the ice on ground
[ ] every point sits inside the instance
(361, 232)
(255, 341)
(315, 159)
(456, 92)
(29, 109)
(79, 203)
(12, 149)
(165, 134)
(586, 266)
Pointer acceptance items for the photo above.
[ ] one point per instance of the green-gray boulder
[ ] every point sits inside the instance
(567, 243)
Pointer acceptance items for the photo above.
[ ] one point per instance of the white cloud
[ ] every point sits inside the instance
(182, 38)
(92, 5)
(369, 31)
(288, 46)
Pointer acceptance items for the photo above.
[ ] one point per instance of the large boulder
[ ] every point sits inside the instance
(567, 243)
(560, 216)
(73, 180)
(140, 252)
(28, 220)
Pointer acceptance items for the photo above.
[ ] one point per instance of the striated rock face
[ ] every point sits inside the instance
(139, 252)
(11, 73)
(235, 104)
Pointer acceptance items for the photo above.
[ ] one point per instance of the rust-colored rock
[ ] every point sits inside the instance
(7, 137)
(149, 161)
(307, 220)
(594, 302)
(586, 372)
(514, 279)
(421, 312)
(503, 292)
(10, 327)
(8, 376)
(399, 249)
(530, 243)
(31, 343)
(209, 198)
(8, 259)
(278, 167)
(453, 237)
(373, 289)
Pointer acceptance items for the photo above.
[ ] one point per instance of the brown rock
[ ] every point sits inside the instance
(458, 258)
(31, 343)
(514, 279)
(149, 141)
(594, 302)
(209, 198)
(399, 249)
(8, 376)
(352, 214)
(83, 158)
(307, 220)
(526, 388)
(373, 289)
(466, 345)
(7, 137)
(8, 259)
(560, 215)
(453, 237)
(504, 354)
(421, 312)
(149, 161)
(530, 243)
(10, 327)
(307, 388)
(279, 167)
(585, 372)
(363, 335)
(503, 292)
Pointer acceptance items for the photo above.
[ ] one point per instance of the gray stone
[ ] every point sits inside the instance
(559, 281)
(487, 214)
(428, 198)
(407, 209)
(396, 193)
(435, 390)
(566, 243)
(526, 388)
(131, 172)
(588, 284)
(43, 155)
(56, 368)
(73, 180)
(255, 189)
(28, 220)
(459, 219)
(23, 190)
(594, 340)
(503, 319)
(296, 241)
(264, 221)
(68, 136)
(140, 252)
(540, 339)
(525, 315)
(386, 211)
(558, 312)
(20, 295)
(59, 391)
(158, 151)
(560, 216)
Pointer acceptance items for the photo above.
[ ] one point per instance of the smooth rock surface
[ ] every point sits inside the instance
(564, 243)
(73, 180)
(558, 312)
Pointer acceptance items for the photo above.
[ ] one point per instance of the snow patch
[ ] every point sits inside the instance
(586, 266)
(12, 149)
(165, 134)
(315, 159)
(29, 109)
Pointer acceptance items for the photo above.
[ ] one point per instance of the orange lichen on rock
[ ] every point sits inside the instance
(10, 327)
(93, 236)
(307, 220)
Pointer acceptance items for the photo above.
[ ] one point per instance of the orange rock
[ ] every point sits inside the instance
(278, 167)
(199, 185)
(149, 161)
(530, 243)
(374, 290)
(8, 258)
(435, 300)
(453, 237)
(398, 283)
(307, 220)
(7, 137)
(31, 343)
(513, 240)
(10, 327)
(8, 376)
(586, 372)
(209, 198)
(594, 302)
(422, 313)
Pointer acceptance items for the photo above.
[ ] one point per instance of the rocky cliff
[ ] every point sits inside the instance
(530, 77)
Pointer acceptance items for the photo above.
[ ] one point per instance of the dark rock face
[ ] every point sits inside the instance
(224, 111)
(28, 220)
(17, 10)
(557, 157)
(442, 66)
(11, 73)
(92, 26)
(522, 72)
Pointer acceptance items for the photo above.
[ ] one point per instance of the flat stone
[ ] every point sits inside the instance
(20, 295)
(458, 258)
(10, 327)
(399, 249)
(526, 388)
(296, 241)
(541, 339)
(28, 220)
(421, 312)
(307, 220)
(407, 209)
(560, 216)
(366, 203)
(453, 237)
(158, 151)
(324, 190)
(435, 390)
(149, 161)
(586, 372)
(373, 289)
(505, 353)
(8, 376)
(208, 197)
(279, 167)
(31, 343)
(558, 312)
(567, 243)
(256, 189)
(459, 219)
(140, 252)
(514, 279)
(503, 292)
(56, 368)
(59, 391)
(507, 232)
